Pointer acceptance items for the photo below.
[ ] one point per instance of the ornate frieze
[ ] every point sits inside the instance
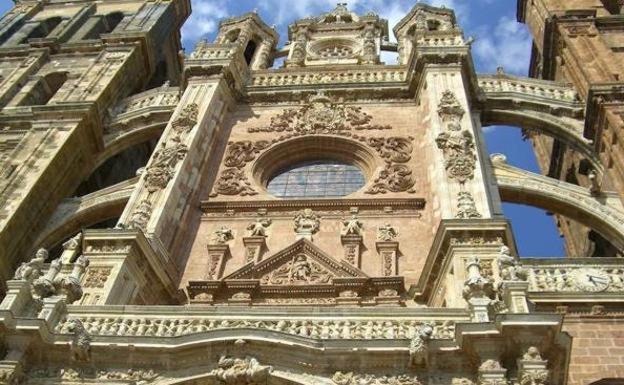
(567, 278)
(350, 378)
(96, 277)
(321, 329)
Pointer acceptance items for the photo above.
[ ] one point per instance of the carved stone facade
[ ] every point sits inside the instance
(208, 219)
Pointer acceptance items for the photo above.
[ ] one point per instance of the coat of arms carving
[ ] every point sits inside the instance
(321, 115)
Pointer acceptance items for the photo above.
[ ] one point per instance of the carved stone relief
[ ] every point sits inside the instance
(320, 115)
(299, 271)
(466, 207)
(457, 144)
(138, 326)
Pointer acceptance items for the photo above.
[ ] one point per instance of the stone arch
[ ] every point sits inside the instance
(567, 130)
(74, 214)
(140, 134)
(603, 213)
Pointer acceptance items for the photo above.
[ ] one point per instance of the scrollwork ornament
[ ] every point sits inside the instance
(394, 178)
(239, 153)
(234, 182)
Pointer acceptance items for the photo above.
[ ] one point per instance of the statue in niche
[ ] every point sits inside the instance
(352, 226)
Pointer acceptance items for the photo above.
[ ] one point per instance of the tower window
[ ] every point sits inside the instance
(250, 50)
(43, 29)
(317, 179)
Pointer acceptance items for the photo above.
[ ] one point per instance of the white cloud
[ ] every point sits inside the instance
(204, 19)
(507, 44)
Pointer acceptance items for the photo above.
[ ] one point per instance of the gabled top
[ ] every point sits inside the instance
(340, 18)
(298, 264)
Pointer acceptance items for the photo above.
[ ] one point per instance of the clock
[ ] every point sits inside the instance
(588, 279)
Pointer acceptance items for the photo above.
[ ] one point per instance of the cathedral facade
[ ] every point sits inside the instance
(213, 217)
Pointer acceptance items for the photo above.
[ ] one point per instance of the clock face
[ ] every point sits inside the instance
(588, 279)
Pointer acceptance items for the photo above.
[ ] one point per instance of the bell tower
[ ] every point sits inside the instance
(336, 37)
(251, 36)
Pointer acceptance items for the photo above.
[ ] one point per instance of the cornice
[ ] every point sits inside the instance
(294, 204)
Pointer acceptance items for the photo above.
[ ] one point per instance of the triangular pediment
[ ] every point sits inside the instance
(301, 263)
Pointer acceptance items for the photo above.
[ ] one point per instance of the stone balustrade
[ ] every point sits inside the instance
(157, 97)
(494, 85)
(290, 78)
(569, 277)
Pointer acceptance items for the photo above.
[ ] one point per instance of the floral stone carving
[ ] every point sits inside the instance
(387, 233)
(161, 170)
(456, 143)
(233, 182)
(321, 115)
(395, 177)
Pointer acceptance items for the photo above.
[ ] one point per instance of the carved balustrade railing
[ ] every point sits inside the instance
(207, 51)
(581, 276)
(175, 321)
(440, 41)
(290, 78)
(524, 89)
(163, 97)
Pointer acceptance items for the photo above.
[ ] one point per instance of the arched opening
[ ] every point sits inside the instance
(44, 89)
(433, 25)
(527, 221)
(43, 28)
(104, 24)
(118, 168)
(250, 51)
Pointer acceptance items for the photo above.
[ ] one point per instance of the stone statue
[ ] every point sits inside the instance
(352, 226)
(259, 227)
(532, 354)
(81, 342)
(31, 270)
(387, 233)
(508, 266)
(222, 235)
(234, 371)
(419, 346)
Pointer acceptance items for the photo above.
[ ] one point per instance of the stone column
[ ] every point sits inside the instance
(477, 292)
(262, 56)
(388, 252)
(352, 244)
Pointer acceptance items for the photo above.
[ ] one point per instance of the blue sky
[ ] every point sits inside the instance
(500, 41)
